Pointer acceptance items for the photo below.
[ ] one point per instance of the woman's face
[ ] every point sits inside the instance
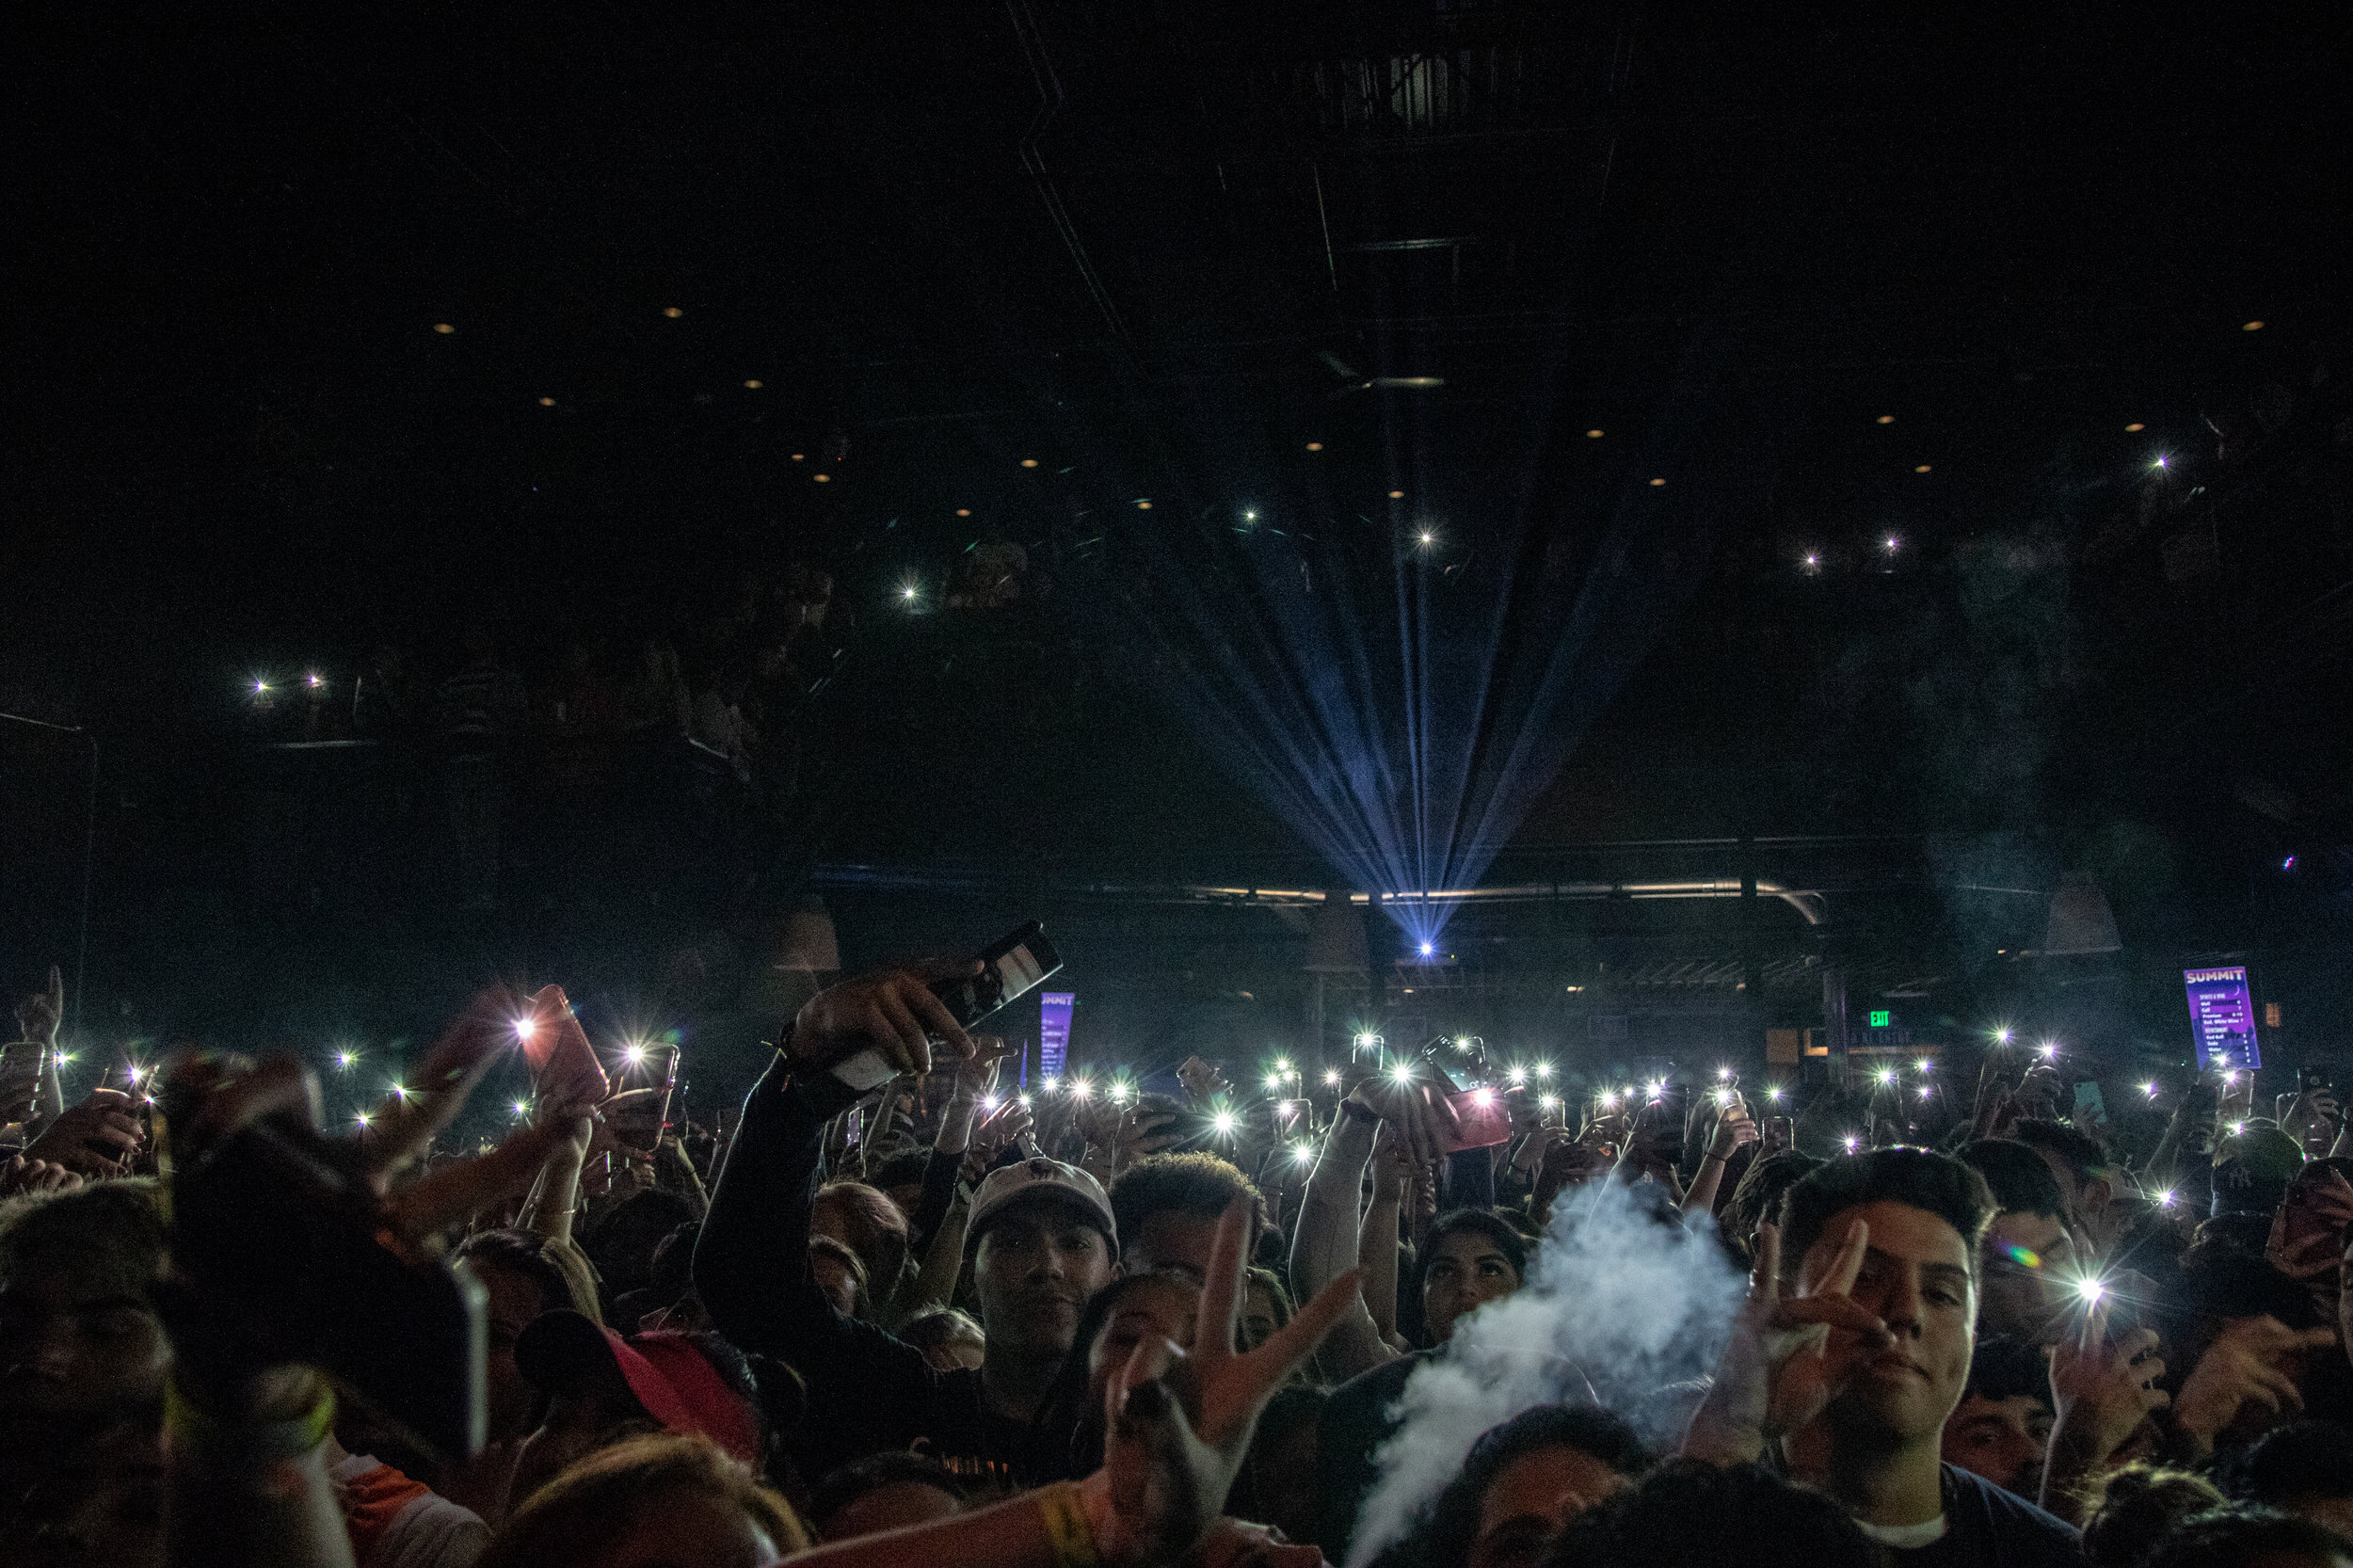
(1150, 1310)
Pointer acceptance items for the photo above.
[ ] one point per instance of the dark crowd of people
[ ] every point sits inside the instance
(903, 1308)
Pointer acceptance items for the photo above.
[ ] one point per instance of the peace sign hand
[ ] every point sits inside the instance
(1789, 1355)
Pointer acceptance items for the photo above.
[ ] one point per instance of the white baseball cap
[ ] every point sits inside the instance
(1009, 1184)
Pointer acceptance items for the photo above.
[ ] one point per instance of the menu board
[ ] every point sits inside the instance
(2223, 1014)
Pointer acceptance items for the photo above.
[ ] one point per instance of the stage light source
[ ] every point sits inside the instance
(821, 478)
(1427, 948)
(1144, 505)
(964, 511)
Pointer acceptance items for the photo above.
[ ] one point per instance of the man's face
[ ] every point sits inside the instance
(73, 1353)
(1915, 1277)
(2027, 1259)
(1258, 1316)
(1466, 1271)
(1531, 1499)
(1171, 1239)
(2003, 1440)
(1036, 1265)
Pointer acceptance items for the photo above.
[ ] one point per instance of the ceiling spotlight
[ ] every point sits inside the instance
(2135, 427)
(1315, 446)
(1887, 419)
(1656, 482)
(1920, 468)
(1592, 434)
(443, 327)
(754, 385)
(1029, 462)
(964, 511)
(2252, 327)
(1144, 505)
(822, 478)
(1427, 948)
(1397, 495)
(672, 311)
(547, 403)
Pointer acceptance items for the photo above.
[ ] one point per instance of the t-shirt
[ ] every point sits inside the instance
(1987, 1528)
(1358, 1417)
(398, 1522)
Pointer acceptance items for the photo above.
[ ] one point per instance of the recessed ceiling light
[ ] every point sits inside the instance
(754, 386)
(821, 478)
(1921, 468)
(1658, 481)
(2252, 327)
(443, 327)
(1315, 446)
(1144, 505)
(2135, 426)
(1397, 495)
(672, 311)
(1887, 419)
(964, 511)
(547, 403)
(797, 457)
(1029, 462)
(1592, 434)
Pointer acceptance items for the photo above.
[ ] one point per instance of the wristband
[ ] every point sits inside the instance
(248, 1443)
(1068, 1528)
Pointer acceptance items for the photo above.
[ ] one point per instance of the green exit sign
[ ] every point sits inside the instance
(1879, 1017)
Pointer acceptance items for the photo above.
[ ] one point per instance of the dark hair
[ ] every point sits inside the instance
(521, 1253)
(1688, 1514)
(621, 1242)
(2019, 1181)
(1295, 1407)
(2076, 1149)
(1063, 1412)
(2220, 1282)
(843, 1486)
(111, 1231)
(2003, 1367)
(2288, 1465)
(1506, 1236)
(1934, 1183)
(2138, 1506)
(1586, 1428)
(1759, 1192)
(900, 1170)
(1195, 1182)
(939, 1326)
(2245, 1537)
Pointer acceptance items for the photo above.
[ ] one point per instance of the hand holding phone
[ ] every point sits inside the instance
(896, 1014)
(566, 1074)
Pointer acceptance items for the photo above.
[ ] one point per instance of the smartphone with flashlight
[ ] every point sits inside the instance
(563, 1066)
(641, 1114)
(1011, 968)
(1482, 1120)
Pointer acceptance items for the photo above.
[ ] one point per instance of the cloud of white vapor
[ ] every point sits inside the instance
(1621, 1301)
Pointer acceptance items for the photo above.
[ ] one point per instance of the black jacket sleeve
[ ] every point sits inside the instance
(867, 1390)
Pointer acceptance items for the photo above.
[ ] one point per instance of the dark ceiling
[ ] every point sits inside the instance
(1838, 275)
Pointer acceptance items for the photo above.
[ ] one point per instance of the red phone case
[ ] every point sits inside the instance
(563, 1066)
(1482, 1120)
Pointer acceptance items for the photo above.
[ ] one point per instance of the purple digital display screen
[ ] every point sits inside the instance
(2223, 1014)
(1053, 1031)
